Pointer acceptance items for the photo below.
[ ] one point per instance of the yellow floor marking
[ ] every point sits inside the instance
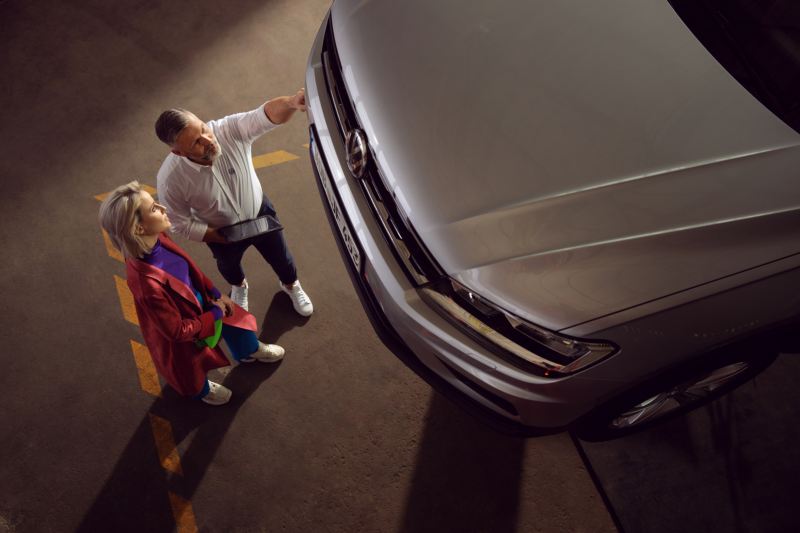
(126, 300)
(148, 377)
(165, 444)
(273, 158)
(113, 252)
(148, 188)
(183, 513)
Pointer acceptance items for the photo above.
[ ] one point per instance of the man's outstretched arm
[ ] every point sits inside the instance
(281, 108)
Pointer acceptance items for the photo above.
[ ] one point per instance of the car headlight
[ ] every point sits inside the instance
(540, 349)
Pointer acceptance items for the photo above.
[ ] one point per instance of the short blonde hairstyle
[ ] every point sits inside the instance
(119, 215)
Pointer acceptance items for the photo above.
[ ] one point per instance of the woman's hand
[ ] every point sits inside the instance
(221, 305)
(228, 304)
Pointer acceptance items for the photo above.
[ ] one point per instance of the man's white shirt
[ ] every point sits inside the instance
(224, 193)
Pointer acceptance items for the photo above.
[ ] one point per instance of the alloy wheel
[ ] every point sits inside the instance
(678, 397)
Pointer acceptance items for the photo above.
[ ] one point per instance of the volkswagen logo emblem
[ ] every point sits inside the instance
(357, 152)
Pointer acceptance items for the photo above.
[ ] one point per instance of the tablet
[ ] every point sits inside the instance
(250, 228)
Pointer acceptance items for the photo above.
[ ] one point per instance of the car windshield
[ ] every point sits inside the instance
(758, 42)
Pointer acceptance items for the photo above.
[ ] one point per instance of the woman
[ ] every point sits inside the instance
(181, 313)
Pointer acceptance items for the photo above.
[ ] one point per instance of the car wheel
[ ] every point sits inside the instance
(673, 394)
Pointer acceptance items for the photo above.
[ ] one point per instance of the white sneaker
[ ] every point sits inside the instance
(300, 300)
(239, 294)
(217, 394)
(266, 353)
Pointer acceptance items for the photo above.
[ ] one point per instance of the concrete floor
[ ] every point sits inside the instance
(339, 437)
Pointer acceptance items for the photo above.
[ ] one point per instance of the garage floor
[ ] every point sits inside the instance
(338, 437)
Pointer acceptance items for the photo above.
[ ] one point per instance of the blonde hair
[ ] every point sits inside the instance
(119, 215)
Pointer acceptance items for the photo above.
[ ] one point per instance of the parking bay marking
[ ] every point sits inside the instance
(183, 513)
(273, 158)
(148, 377)
(126, 301)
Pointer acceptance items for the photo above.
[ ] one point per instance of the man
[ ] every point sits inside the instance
(208, 182)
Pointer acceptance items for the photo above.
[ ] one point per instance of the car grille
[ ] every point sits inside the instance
(396, 228)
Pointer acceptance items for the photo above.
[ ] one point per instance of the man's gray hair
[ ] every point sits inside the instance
(171, 123)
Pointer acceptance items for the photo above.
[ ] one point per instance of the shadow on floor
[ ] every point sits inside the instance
(280, 318)
(135, 496)
(467, 476)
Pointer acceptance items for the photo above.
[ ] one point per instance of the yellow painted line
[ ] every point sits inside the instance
(112, 252)
(126, 300)
(273, 158)
(148, 377)
(183, 513)
(102, 196)
(165, 444)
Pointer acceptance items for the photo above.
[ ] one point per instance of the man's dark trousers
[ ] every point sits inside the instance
(272, 246)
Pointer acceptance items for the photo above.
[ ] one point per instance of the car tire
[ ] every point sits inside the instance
(676, 392)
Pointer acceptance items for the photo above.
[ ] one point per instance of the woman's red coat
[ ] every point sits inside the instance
(172, 320)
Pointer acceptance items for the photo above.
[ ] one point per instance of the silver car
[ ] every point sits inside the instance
(573, 214)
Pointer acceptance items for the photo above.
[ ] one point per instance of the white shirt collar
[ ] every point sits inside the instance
(197, 166)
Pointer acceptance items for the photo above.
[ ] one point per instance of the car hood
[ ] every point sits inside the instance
(568, 160)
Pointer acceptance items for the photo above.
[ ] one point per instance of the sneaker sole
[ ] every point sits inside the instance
(216, 402)
(260, 360)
